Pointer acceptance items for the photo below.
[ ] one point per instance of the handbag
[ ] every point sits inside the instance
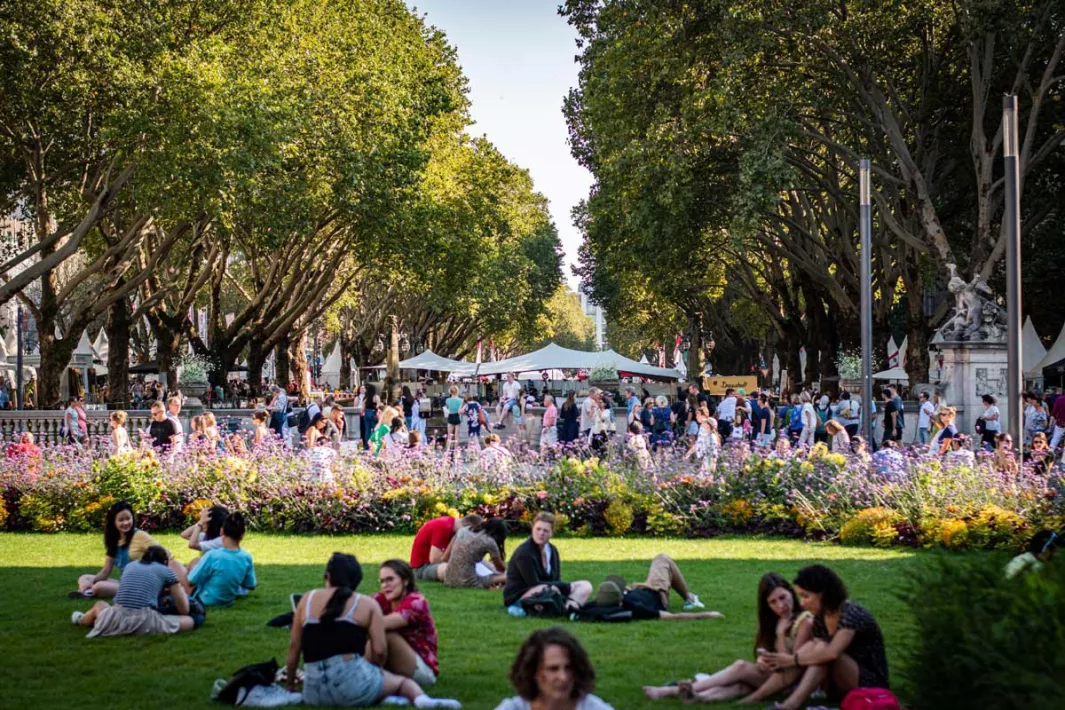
(547, 603)
(870, 699)
(980, 426)
(247, 677)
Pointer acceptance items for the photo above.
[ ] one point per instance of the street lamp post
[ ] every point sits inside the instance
(865, 228)
(1013, 264)
(18, 360)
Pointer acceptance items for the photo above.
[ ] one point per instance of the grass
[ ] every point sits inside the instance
(49, 663)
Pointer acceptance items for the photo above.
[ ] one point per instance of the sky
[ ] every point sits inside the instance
(518, 56)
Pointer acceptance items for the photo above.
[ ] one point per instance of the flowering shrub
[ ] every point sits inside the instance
(902, 501)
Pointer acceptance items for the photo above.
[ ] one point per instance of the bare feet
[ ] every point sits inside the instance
(656, 693)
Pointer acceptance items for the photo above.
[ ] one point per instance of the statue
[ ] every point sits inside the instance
(975, 316)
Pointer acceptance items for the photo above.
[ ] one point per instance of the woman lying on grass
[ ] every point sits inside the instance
(782, 627)
(135, 609)
(123, 544)
(847, 650)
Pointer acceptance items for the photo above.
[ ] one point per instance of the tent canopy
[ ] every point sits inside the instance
(555, 357)
(895, 374)
(1055, 354)
(428, 360)
(1032, 349)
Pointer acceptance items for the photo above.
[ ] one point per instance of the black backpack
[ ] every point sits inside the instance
(247, 677)
(304, 420)
(549, 602)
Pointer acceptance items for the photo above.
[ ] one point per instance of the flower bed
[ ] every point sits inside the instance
(816, 494)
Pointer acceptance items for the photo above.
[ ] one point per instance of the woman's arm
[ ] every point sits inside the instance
(295, 643)
(109, 565)
(186, 534)
(394, 621)
(378, 651)
(500, 564)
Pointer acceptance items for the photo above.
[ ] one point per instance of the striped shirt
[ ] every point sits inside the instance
(141, 584)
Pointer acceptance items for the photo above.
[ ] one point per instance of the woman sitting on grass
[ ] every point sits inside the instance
(552, 672)
(123, 544)
(226, 572)
(135, 609)
(410, 631)
(847, 649)
(782, 627)
(341, 636)
(206, 533)
(466, 567)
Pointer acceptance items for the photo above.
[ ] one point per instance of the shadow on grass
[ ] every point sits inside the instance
(56, 667)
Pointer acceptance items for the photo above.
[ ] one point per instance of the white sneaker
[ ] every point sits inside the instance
(75, 618)
(693, 603)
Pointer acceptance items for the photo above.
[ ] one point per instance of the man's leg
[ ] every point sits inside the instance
(665, 575)
(1056, 439)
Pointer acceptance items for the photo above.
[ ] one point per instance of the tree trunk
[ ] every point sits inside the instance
(256, 359)
(297, 363)
(55, 355)
(345, 362)
(118, 336)
(794, 364)
(282, 370)
(696, 362)
(166, 353)
(917, 361)
(392, 378)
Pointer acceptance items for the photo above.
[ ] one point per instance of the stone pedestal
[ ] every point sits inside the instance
(971, 370)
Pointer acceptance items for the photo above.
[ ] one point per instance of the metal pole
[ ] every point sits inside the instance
(865, 229)
(1013, 265)
(18, 361)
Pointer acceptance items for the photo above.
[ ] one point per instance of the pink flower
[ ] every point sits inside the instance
(541, 494)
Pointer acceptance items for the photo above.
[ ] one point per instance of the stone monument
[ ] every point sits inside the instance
(973, 341)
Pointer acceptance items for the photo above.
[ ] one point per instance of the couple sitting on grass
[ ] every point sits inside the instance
(452, 550)
(828, 641)
(155, 593)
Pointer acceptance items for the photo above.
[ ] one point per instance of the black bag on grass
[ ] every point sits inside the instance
(247, 677)
(549, 602)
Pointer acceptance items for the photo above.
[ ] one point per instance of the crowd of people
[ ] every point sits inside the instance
(361, 649)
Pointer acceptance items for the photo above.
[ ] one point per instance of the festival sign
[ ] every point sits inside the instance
(719, 383)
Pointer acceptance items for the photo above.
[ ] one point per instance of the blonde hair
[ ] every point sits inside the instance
(157, 405)
(388, 414)
(453, 389)
(208, 419)
(661, 401)
(805, 397)
(833, 427)
(491, 439)
(120, 417)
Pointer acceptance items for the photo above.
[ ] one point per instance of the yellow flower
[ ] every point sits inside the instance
(440, 507)
(488, 498)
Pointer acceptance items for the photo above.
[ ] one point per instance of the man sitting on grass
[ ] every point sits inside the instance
(432, 545)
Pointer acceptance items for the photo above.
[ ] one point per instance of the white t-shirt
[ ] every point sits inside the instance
(588, 702)
(924, 417)
(726, 411)
(809, 416)
(207, 545)
(992, 425)
(587, 414)
(855, 408)
(511, 390)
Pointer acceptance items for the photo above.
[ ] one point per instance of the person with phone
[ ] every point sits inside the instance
(782, 627)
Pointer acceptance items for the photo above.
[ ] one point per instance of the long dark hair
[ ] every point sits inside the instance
(767, 618)
(496, 529)
(408, 398)
(405, 574)
(822, 580)
(345, 575)
(217, 515)
(571, 401)
(111, 533)
(531, 655)
(155, 553)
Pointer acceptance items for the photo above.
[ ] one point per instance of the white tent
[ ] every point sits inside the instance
(1032, 349)
(643, 360)
(102, 347)
(11, 342)
(552, 357)
(1055, 354)
(428, 360)
(101, 343)
(895, 374)
(903, 347)
(331, 368)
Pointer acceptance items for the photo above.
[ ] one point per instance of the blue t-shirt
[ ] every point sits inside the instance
(220, 576)
(453, 404)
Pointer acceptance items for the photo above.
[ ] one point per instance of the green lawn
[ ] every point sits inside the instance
(49, 664)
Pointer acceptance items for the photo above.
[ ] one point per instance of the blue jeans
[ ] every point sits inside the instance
(922, 435)
(342, 681)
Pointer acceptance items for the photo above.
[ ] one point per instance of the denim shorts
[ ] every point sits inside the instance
(342, 681)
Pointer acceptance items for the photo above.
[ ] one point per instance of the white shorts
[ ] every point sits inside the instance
(423, 674)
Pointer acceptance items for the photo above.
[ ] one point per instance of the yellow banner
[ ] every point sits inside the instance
(718, 384)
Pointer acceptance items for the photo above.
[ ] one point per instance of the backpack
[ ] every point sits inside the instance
(822, 419)
(304, 422)
(870, 699)
(246, 678)
(482, 420)
(795, 418)
(547, 603)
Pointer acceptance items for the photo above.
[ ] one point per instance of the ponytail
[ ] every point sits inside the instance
(345, 575)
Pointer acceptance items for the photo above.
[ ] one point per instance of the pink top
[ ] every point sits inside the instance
(551, 415)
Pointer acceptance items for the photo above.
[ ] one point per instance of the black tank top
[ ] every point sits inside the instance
(325, 639)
